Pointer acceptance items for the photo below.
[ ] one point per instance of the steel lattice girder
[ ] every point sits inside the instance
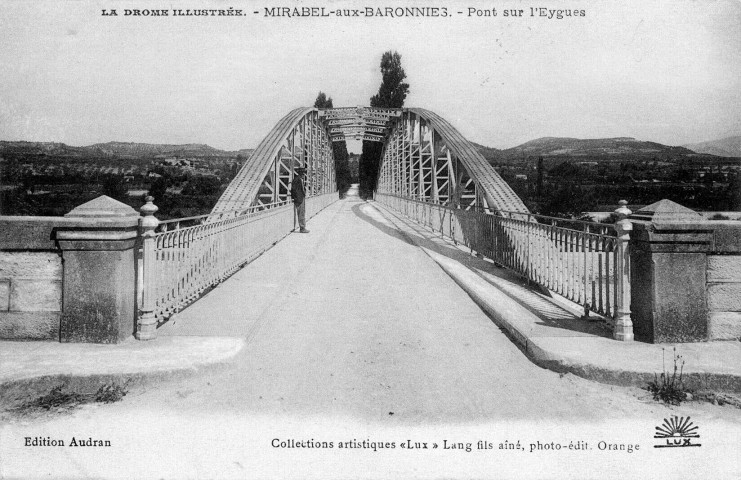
(354, 120)
(360, 112)
(299, 139)
(426, 158)
(350, 130)
(361, 123)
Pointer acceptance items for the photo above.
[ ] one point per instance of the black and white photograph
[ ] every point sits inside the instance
(351, 239)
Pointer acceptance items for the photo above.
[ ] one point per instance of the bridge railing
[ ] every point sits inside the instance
(584, 262)
(182, 258)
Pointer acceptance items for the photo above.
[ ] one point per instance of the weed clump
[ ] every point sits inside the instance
(59, 400)
(110, 393)
(669, 388)
(56, 399)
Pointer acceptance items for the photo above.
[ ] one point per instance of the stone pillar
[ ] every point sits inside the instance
(669, 246)
(99, 279)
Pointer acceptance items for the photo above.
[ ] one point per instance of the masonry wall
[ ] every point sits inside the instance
(723, 285)
(30, 294)
(30, 278)
(724, 297)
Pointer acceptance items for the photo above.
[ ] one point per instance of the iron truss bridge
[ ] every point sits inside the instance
(424, 158)
(427, 171)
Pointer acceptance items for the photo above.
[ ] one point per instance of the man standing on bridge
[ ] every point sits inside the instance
(298, 194)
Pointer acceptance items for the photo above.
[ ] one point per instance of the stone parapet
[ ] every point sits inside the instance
(686, 275)
(31, 277)
(32, 233)
(69, 278)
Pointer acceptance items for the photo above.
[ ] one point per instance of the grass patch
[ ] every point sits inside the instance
(668, 388)
(59, 400)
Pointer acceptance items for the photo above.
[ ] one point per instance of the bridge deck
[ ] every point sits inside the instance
(353, 319)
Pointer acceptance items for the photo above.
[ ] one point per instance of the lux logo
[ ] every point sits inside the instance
(678, 432)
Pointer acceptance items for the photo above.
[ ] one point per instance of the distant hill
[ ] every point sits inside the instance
(559, 146)
(725, 147)
(130, 149)
(118, 150)
(488, 152)
(43, 148)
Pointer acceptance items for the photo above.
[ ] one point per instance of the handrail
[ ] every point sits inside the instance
(492, 211)
(224, 215)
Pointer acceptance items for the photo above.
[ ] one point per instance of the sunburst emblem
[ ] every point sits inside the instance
(676, 427)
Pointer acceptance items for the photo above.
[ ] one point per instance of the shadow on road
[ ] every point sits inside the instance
(388, 229)
(550, 314)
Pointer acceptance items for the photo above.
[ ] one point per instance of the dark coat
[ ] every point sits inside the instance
(298, 193)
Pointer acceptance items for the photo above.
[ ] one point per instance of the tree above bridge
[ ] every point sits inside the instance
(391, 94)
(322, 101)
(393, 90)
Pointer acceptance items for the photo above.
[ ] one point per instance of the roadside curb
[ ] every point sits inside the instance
(553, 358)
(132, 363)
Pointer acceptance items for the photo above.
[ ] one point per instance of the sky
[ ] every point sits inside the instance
(665, 71)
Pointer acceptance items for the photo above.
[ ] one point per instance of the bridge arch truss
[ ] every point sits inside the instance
(426, 158)
(300, 139)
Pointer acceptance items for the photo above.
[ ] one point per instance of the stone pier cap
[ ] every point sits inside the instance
(101, 224)
(682, 229)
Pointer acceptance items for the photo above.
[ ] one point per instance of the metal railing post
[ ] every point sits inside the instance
(527, 252)
(146, 328)
(623, 324)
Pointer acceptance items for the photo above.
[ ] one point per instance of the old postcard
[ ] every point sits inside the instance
(354, 239)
